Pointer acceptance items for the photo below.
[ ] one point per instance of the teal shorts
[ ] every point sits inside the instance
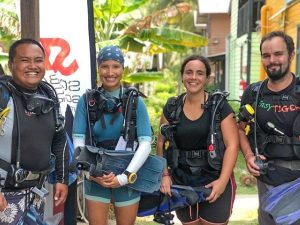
(122, 196)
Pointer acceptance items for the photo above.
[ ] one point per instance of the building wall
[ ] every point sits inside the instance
(237, 56)
(219, 28)
(233, 58)
(283, 17)
(255, 58)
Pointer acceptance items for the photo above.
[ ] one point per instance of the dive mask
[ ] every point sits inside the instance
(39, 104)
(107, 103)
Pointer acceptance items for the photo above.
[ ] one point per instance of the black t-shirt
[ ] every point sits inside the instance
(192, 135)
(280, 108)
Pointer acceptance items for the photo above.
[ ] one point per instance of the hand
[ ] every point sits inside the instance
(106, 180)
(165, 186)
(251, 165)
(3, 203)
(218, 187)
(61, 192)
(115, 183)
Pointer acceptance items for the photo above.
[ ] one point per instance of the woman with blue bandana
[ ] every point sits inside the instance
(107, 132)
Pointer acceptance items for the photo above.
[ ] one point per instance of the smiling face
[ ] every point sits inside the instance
(28, 65)
(110, 72)
(194, 76)
(275, 58)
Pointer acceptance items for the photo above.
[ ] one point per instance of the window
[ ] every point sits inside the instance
(243, 15)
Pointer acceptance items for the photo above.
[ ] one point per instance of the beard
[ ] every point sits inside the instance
(277, 74)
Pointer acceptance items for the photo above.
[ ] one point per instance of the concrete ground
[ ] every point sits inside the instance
(245, 207)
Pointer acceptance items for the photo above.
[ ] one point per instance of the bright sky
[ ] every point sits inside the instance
(213, 6)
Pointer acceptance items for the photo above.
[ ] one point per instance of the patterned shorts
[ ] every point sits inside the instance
(18, 210)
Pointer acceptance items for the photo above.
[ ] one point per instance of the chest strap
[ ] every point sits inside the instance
(194, 154)
(283, 140)
(292, 165)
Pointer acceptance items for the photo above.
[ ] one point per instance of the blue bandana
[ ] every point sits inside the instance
(110, 53)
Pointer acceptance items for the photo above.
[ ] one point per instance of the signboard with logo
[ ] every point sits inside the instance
(65, 33)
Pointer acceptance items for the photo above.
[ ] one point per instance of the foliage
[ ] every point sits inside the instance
(143, 77)
(123, 23)
(9, 23)
(155, 102)
(240, 169)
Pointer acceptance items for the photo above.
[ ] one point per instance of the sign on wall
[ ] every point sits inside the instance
(65, 35)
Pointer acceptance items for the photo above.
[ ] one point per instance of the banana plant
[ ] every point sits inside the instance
(147, 35)
(9, 28)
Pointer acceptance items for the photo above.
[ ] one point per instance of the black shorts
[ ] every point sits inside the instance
(216, 212)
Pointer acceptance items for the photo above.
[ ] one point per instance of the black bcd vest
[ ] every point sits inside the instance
(263, 138)
(215, 152)
(99, 102)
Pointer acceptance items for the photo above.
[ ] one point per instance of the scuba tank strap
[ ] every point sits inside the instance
(297, 89)
(51, 92)
(173, 108)
(93, 114)
(4, 109)
(130, 103)
(4, 96)
(215, 143)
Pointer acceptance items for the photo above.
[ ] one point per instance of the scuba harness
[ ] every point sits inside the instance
(215, 152)
(98, 159)
(13, 174)
(98, 102)
(273, 171)
(259, 138)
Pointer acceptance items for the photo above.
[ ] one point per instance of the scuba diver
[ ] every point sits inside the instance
(32, 137)
(199, 137)
(271, 146)
(112, 118)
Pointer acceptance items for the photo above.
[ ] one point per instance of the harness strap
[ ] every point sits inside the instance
(283, 140)
(292, 165)
(18, 175)
(193, 154)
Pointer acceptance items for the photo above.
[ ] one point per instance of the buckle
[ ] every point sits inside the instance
(196, 154)
(279, 139)
(20, 175)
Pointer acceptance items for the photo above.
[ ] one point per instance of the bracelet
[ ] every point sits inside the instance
(246, 157)
(166, 174)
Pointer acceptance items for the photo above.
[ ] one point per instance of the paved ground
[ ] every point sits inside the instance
(245, 206)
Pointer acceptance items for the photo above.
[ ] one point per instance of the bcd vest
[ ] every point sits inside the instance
(99, 102)
(263, 138)
(215, 152)
(11, 174)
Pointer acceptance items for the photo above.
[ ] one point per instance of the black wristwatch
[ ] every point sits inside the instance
(131, 177)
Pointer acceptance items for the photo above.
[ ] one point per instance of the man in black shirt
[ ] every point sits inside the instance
(32, 138)
(272, 146)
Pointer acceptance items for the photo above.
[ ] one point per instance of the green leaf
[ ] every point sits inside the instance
(136, 4)
(143, 77)
(3, 56)
(172, 36)
(162, 47)
(130, 44)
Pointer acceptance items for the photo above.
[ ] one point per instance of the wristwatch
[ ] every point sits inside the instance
(131, 177)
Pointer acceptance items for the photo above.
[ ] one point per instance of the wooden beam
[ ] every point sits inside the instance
(30, 17)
